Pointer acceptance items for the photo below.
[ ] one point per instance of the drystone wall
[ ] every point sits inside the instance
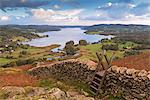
(65, 70)
(128, 83)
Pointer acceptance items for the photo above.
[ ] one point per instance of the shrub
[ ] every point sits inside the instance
(141, 47)
(21, 62)
(30, 61)
(23, 52)
(110, 47)
(34, 64)
(104, 40)
(132, 52)
(11, 64)
(24, 46)
(3, 95)
(25, 61)
(9, 57)
(83, 42)
(46, 83)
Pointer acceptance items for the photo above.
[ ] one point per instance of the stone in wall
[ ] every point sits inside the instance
(130, 83)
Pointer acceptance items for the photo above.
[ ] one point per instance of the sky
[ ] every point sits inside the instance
(74, 12)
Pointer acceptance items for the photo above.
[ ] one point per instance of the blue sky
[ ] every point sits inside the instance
(75, 12)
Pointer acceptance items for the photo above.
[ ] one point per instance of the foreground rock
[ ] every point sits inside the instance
(38, 93)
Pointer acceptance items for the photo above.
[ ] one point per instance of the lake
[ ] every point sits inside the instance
(63, 36)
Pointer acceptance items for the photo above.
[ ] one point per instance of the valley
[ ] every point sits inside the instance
(22, 53)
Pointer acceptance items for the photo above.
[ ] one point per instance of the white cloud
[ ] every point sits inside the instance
(73, 17)
(109, 4)
(4, 18)
(56, 7)
(56, 15)
(131, 5)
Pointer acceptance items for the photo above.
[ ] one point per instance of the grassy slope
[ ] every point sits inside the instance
(4, 61)
(90, 50)
(32, 52)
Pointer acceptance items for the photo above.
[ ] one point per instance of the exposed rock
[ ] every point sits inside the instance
(11, 91)
(72, 93)
(31, 91)
(81, 97)
(130, 71)
(143, 73)
(57, 94)
(122, 70)
(114, 68)
(39, 93)
(148, 76)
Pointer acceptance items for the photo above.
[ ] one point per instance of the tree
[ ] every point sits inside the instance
(70, 43)
(83, 42)
(23, 52)
(70, 50)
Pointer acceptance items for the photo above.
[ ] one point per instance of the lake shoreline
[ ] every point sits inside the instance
(60, 37)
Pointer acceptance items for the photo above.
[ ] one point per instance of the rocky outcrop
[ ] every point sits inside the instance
(38, 93)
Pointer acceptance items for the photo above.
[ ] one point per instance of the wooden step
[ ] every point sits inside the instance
(94, 93)
(91, 86)
(95, 83)
(97, 79)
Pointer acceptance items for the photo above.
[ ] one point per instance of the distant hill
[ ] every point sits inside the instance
(135, 33)
(119, 28)
(33, 28)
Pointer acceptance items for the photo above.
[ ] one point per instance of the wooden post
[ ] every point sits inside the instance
(109, 65)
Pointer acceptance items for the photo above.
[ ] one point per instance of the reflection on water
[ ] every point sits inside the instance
(63, 36)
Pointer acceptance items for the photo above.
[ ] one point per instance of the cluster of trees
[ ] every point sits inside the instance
(83, 42)
(70, 48)
(20, 62)
(142, 47)
(110, 47)
(132, 52)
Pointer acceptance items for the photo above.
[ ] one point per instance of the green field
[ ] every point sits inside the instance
(4, 61)
(91, 49)
(31, 52)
